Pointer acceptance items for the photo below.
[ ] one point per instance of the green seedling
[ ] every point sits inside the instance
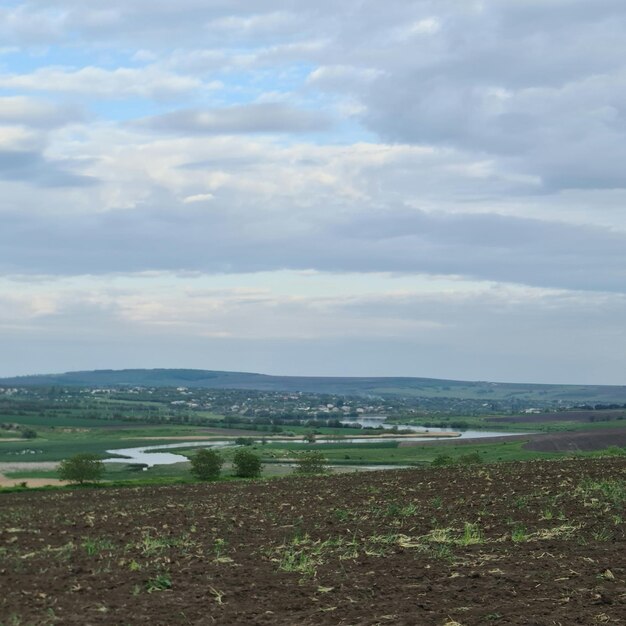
(161, 582)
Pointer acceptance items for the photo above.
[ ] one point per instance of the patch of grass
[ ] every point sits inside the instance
(304, 555)
(396, 510)
(546, 514)
(472, 534)
(150, 545)
(602, 492)
(602, 534)
(161, 582)
(521, 502)
(94, 546)
(519, 534)
(219, 549)
(342, 515)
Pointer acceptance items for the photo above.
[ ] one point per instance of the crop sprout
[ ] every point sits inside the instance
(161, 582)
(96, 546)
(519, 534)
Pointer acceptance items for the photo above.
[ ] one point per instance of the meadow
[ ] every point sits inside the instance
(102, 424)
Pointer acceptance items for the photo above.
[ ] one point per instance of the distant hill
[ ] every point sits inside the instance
(363, 386)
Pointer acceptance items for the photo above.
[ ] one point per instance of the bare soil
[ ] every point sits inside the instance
(6, 481)
(541, 543)
(561, 416)
(587, 440)
(30, 482)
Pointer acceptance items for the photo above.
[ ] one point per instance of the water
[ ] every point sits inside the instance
(147, 456)
(371, 422)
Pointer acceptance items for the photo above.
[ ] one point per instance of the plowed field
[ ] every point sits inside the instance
(539, 543)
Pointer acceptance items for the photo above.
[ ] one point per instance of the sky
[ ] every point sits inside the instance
(426, 188)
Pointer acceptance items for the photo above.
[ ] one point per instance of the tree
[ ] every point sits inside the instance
(312, 462)
(81, 468)
(247, 464)
(206, 464)
(29, 433)
(244, 441)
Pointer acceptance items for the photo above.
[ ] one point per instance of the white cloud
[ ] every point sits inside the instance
(199, 197)
(425, 26)
(261, 24)
(342, 76)
(21, 110)
(148, 82)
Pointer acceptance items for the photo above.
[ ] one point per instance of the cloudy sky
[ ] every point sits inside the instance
(426, 188)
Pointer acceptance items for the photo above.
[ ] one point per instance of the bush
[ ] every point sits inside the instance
(247, 464)
(312, 462)
(441, 460)
(614, 451)
(81, 468)
(244, 441)
(206, 464)
(28, 433)
(470, 459)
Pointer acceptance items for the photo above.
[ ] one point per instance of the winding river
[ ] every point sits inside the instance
(147, 455)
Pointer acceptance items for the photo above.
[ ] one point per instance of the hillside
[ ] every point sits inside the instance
(378, 386)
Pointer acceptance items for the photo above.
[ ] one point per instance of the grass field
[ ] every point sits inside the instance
(391, 452)
(64, 432)
(57, 444)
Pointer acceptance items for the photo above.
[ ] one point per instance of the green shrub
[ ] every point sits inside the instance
(244, 441)
(313, 462)
(611, 451)
(81, 468)
(206, 464)
(470, 459)
(247, 464)
(441, 460)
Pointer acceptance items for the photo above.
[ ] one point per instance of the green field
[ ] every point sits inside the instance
(82, 424)
(390, 453)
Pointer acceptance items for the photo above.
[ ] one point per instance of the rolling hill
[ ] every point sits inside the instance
(379, 386)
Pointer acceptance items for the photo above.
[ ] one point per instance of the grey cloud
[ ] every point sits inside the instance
(139, 21)
(533, 90)
(518, 97)
(26, 25)
(90, 330)
(32, 167)
(251, 118)
(37, 113)
(493, 247)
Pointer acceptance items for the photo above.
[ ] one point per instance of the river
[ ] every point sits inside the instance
(147, 455)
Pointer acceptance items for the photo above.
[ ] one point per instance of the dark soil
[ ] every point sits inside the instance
(588, 440)
(540, 543)
(561, 416)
